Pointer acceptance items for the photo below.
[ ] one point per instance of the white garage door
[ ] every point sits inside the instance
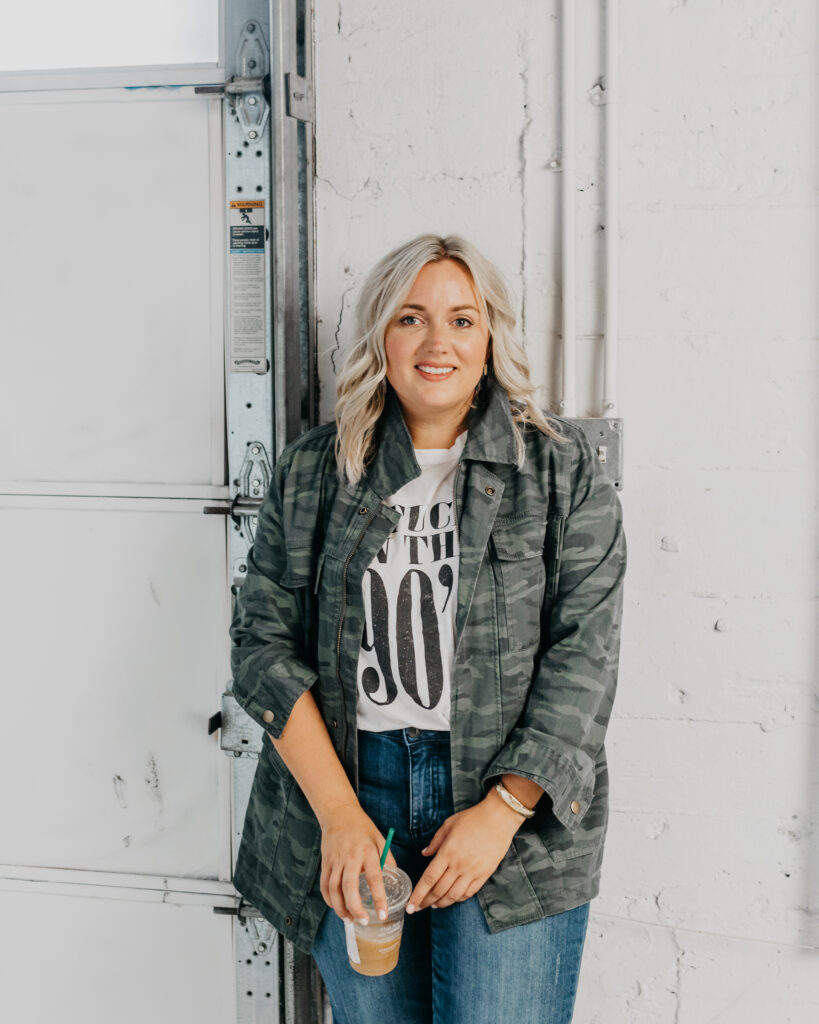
(115, 844)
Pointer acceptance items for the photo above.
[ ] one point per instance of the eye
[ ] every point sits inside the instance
(408, 316)
(465, 319)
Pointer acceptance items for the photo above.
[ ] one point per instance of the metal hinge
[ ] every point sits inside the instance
(252, 484)
(246, 91)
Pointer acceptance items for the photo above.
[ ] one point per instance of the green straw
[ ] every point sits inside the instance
(390, 834)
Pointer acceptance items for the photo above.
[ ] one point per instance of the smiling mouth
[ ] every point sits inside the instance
(434, 372)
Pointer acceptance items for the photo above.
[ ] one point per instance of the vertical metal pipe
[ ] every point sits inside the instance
(568, 389)
(611, 207)
(287, 264)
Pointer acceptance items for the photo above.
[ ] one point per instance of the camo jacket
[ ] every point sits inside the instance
(539, 605)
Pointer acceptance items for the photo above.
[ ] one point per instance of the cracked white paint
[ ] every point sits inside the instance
(446, 117)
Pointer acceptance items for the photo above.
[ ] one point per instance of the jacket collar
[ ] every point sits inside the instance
(491, 438)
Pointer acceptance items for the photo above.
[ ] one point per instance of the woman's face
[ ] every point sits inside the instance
(437, 343)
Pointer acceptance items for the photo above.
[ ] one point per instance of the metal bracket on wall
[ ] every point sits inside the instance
(258, 969)
(606, 438)
(246, 89)
(238, 734)
(299, 94)
(251, 485)
(255, 472)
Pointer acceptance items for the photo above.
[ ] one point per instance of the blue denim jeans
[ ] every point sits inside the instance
(451, 969)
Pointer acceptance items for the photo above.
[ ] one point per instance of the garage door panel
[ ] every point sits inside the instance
(118, 655)
(114, 960)
(111, 308)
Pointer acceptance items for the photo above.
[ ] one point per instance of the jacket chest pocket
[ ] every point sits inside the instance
(302, 575)
(520, 572)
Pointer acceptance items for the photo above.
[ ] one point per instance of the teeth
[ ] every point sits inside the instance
(436, 369)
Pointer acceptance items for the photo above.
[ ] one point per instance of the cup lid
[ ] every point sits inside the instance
(398, 886)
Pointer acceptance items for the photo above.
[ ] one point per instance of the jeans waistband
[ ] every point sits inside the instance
(410, 736)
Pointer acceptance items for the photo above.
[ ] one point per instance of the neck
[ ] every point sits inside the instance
(435, 433)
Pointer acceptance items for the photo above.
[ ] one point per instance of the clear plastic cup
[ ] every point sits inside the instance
(373, 948)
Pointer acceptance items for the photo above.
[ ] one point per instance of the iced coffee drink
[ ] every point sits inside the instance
(373, 948)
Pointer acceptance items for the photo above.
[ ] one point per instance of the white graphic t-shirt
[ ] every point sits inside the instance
(410, 593)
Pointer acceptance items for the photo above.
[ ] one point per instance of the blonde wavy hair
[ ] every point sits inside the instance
(362, 380)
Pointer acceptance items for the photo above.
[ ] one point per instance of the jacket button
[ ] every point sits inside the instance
(268, 716)
(490, 490)
(363, 510)
(335, 723)
(575, 807)
(288, 921)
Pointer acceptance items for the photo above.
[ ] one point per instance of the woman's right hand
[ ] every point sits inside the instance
(350, 845)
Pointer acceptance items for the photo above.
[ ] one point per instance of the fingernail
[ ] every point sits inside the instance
(382, 915)
(434, 906)
(348, 920)
(410, 908)
(363, 920)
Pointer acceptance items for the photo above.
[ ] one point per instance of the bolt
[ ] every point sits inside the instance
(251, 101)
(251, 64)
(255, 449)
(251, 27)
(251, 135)
(242, 568)
(256, 483)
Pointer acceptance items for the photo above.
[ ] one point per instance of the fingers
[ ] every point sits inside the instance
(473, 887)
(461, 889)
(427, 889)
(350, 849)
(375, 880)
(441, 889)
(339, 888)
(345, 889)
(432, 847)
(352, 895)
(334, 897)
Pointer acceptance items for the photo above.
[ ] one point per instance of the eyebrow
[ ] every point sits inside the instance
(452, 309)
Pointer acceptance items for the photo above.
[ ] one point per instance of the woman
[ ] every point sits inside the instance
(429, 635)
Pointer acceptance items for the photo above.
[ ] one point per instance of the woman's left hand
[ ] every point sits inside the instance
(465, 851)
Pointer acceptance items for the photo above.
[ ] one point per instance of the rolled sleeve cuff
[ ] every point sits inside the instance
(567, 776)
(271, 708)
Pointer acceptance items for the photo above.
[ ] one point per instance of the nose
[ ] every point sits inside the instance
(435, 339)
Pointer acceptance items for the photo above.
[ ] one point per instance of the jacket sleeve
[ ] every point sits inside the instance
(561, 731)
(270, 671)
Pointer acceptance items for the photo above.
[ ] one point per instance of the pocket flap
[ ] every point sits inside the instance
(519, 538)
(303, 564)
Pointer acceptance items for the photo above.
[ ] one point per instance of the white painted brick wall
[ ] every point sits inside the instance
(443, 117)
